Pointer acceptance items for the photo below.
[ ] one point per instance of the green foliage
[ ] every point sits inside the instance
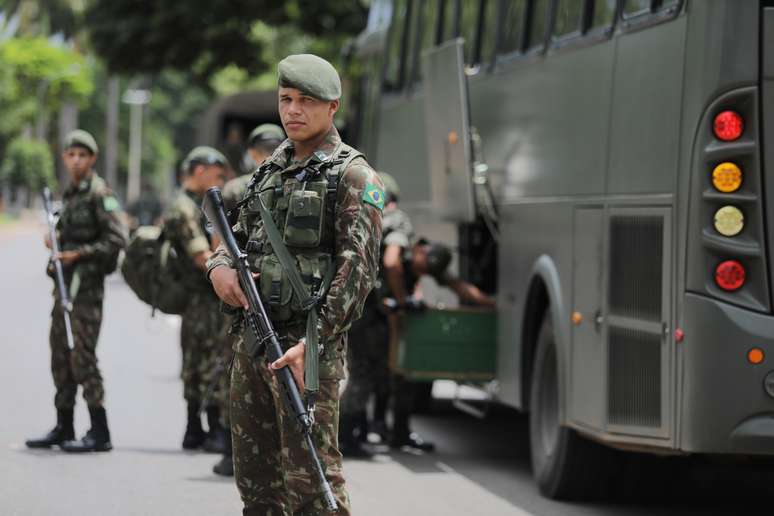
(202, 37)
(28, 163)
(38, 65)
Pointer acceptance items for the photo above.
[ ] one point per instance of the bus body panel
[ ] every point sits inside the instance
(574, 139)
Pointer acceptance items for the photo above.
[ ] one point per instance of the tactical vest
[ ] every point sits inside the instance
(78, 223)
(302, 204)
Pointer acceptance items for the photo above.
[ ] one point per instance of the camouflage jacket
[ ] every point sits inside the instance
(351, 238)
(234, 191)
(90, 223)
(185, 227)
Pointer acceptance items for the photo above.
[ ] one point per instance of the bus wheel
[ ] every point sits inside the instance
(565, 465)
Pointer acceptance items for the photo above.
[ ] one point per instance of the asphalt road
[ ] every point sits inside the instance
(481, 467)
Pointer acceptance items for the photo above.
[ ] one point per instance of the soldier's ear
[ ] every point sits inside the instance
(334, 106)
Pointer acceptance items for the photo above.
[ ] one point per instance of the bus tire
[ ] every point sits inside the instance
(565, 465)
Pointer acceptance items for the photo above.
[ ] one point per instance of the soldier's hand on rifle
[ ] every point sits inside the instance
(293, 358)
(226, 284)
(69, 257)
(47, 241)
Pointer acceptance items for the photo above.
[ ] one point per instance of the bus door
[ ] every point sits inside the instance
(447, 130)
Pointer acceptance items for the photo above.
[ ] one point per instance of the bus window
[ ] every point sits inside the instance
(413, 41)
(513, 25)
(603, 13)
(450, 27)
(487, 36)
(569, 15)
(666, 4)
(468, 25)
(429, 14)
(393, 74)
(538, 23)
(635, 7)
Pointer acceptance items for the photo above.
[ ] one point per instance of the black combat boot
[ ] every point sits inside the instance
(96, 439)
(194, 433)
(402, 436)
(63, 431)
(215, 442)
(225, 467)
(350, 441)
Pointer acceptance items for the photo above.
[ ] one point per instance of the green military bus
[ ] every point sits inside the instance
(601, 165)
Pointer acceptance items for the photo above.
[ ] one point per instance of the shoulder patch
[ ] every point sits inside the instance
(373, 195)
(110, 203)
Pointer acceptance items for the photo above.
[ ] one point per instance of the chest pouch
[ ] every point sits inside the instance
(79, 222)
(276, 290)
(305, 214)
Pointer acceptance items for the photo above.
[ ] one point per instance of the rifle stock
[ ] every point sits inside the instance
(64, 297)
(261, 327)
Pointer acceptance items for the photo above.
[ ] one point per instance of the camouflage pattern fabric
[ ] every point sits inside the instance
(201, 331)
(368, 361)
(280, 482)
(201, 341)
(234, 191)
(90, 224)
(185, 227)
(272, 467)
(78, 367)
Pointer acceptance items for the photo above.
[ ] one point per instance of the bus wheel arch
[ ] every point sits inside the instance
(543, 300)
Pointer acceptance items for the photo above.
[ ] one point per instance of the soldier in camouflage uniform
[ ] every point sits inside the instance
(201, 331)
(368, 362)
(326, 201)
(404, 260)
(91, 235)
(261, 143)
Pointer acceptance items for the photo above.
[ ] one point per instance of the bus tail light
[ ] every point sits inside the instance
(730, 275)
(727, 177)
(728, 126)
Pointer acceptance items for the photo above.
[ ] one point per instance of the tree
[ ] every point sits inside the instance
(27, 164)
(202, 37)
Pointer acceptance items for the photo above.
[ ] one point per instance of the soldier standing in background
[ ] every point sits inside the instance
(404, 260)
(201, 330)
(261, 143)
(91, 235)
(326, 202)
(368, 361)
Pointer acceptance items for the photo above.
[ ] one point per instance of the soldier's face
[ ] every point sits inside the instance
(303, 117)
(212, 175)
(78, 161)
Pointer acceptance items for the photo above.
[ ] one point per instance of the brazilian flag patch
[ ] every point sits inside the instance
(374, 195)
(110, 203)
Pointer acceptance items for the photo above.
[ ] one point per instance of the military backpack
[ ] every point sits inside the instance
(153, 271)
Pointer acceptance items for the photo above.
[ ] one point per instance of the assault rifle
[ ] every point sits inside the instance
(64, 298)
(263, 331)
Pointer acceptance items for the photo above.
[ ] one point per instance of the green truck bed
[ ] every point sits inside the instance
(449, 344)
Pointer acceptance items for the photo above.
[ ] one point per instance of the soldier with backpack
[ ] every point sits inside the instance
(90, 235)
(201, 333)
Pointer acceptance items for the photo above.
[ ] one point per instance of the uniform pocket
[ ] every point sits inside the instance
(303, 225)
(275, 288)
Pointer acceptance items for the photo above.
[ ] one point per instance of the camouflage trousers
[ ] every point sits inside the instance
(78, 367)
(368, 362)
(272, 466)
(201, 340)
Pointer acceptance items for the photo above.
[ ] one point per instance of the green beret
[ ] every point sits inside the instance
(391, 188)
(81, 138)
(204, 155)
(312, 75)
(265, 132)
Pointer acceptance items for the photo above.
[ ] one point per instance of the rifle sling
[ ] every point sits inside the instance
(308, 301)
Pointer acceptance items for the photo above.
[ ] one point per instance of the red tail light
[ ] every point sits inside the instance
(730, 275)
(728, 126)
